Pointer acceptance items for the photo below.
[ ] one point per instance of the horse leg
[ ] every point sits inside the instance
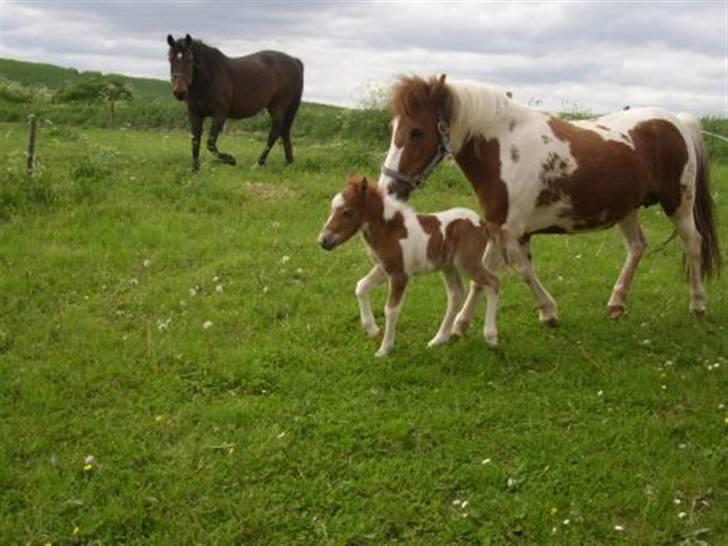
(196, 129)
(486, 280)
(218, 122)
(372, 279)
(275, 132)
(455, 296)
(548, 311)
(463, 318)
(692, 242)
(397, 285)
(286, 130)
(635, 243)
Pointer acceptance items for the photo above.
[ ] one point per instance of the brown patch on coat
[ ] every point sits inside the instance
(466, 244)
(611, 179)
(435, 244)
(382, 235)
(479, 159)
(553, 169)
(546, 139)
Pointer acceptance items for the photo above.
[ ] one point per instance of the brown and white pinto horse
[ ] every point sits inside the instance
(535, 173)
(403, 243)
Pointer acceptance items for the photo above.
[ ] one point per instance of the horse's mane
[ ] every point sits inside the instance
(208, 59)
(469, 107)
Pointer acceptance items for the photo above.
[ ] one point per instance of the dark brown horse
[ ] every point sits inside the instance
(217, 86)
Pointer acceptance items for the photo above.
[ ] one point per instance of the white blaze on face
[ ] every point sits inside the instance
(336, 203)
(392, 160)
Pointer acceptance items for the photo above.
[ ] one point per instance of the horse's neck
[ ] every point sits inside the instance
(378, 226)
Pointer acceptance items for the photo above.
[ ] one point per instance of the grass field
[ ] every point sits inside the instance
(275, 424)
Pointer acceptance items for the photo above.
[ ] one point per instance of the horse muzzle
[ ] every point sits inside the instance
(327, 241)
(180, 95)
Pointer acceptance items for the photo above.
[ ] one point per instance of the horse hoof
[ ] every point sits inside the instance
(551, 322)
(698, 313)
(615, 311)
(491, 340)
(437, 340)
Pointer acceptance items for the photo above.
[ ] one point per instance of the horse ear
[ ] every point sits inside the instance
(170, 40)
(363, 185)
(188, 40)
(441, 80)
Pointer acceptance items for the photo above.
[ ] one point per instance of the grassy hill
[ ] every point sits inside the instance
(55, 78)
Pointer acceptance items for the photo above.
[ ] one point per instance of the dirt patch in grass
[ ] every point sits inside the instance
(268, 191)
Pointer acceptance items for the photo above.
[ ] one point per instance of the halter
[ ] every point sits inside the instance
(443, 150)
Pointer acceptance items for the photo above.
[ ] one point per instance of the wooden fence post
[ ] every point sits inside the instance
(31, 145)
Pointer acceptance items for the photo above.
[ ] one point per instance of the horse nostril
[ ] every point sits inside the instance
(327, 243)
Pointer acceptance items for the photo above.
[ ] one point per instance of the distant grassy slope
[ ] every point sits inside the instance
(55, 77)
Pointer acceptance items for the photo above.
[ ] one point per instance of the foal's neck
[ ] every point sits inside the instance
(383, 218)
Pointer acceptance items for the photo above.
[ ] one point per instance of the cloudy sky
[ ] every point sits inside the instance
(596, 56)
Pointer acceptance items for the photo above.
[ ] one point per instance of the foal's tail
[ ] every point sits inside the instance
(705, 220)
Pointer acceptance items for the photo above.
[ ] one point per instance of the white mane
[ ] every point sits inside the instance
(475, 107)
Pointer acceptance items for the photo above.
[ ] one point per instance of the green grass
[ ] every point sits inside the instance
(277, 425)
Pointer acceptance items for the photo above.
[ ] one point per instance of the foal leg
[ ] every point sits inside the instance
(465, 316)
(397, 285)
(196, 129)
(455, 295)
(275, 132)
(635, 243)
(488, 281)
(372, 279)
(692, 242)
(548, 311)
(217, 124)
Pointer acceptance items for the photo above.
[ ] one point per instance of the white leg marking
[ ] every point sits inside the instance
(634, 243)
(454, 301)
(372, 279)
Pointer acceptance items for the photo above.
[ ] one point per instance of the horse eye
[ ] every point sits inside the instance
(416, 133)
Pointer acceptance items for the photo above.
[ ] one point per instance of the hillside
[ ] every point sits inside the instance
(54, 78)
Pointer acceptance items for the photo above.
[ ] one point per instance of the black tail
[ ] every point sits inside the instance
(703, 212)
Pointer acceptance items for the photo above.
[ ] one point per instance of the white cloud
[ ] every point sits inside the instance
(600, 56)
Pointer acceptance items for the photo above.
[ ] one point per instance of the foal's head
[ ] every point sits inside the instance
(348, 213)
(420, 109)
(181, 65)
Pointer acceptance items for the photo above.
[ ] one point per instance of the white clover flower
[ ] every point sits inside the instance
(485, 461)
(147, 263)
(134, 281)
(682, 515)
(215, 278)
(207, 325)
(265, 289)
(219, 289)
(163, 325)
(619, 528)
(285, 259)
(193, 292)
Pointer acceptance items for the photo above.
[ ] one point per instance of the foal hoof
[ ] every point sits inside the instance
(551, 322)
(491, 339)
(228, 160)
(615, 311)
(460, 327)
(698, 313)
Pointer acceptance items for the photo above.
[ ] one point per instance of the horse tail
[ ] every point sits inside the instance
(705, 220)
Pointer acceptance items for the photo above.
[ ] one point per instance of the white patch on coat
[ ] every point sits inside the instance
(483, 111)
(394, 154)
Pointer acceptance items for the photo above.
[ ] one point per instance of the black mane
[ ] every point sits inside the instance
(207, 61)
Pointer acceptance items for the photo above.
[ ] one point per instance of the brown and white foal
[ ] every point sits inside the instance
(402, 243)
